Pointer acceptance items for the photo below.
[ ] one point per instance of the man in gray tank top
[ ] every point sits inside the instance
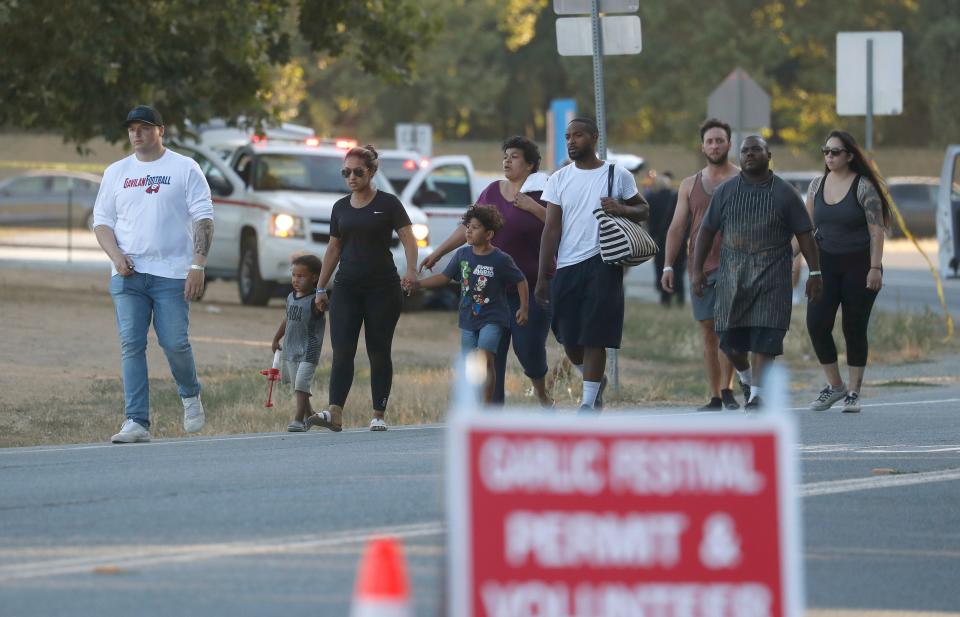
(692, 201)
(758, 214)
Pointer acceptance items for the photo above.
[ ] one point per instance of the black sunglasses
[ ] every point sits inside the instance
(832, 151)
(357, 171)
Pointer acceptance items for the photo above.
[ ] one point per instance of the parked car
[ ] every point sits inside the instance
(799, 180)
(272, 200)
(631, 162)
(399, 166)
(916, 199)
(49, 198)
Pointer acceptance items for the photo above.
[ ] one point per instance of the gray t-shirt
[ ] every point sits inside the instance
(303, 336)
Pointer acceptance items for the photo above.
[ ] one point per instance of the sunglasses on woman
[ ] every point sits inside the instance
(357, 171)
(832, 151)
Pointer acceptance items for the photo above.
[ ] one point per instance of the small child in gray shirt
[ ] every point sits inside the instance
(302, 334)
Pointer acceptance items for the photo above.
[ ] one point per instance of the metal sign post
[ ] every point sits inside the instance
(869, 120)
(609, 35)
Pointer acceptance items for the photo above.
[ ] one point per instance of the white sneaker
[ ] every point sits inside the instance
(131, 432)
(192, 414)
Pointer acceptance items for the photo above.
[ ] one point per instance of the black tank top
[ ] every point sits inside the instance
(841, 227)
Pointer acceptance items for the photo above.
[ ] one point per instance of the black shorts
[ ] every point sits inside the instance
(587, 301)
(768, 341)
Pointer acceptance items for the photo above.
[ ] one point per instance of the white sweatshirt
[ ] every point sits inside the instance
(151, 208)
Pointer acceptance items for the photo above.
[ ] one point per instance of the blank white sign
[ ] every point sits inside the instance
(584, 7)
(621, 35)
(852, 73)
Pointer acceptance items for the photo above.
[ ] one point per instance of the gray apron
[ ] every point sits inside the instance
(753, 285)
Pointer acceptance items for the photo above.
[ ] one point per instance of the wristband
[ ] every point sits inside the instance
(813, 273)
(197, 267)
(877, 268)
(668, 268)
(321, 290)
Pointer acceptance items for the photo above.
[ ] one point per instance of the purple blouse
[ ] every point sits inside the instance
(520, 235)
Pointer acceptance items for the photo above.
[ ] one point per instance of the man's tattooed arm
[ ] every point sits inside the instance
(202, 236)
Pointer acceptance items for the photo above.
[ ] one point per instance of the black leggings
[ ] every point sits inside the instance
(377, 309)
(844, 284)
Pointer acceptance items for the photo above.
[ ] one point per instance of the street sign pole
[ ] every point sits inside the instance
(869, 127)
(598, 77)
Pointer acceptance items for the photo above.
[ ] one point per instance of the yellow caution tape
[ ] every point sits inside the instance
(933, 270)
(96, 168)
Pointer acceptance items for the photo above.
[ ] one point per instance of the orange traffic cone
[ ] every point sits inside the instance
(382, 588)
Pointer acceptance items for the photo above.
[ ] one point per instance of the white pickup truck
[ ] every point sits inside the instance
(274, 200)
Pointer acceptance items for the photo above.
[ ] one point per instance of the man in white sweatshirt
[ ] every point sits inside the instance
(154, 219)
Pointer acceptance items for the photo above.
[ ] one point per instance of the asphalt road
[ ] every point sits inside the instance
(273, 524)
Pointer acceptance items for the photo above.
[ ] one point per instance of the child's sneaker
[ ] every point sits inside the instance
(297, 426)
(851, 404)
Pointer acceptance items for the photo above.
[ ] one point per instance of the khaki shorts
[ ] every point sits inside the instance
(300, 373)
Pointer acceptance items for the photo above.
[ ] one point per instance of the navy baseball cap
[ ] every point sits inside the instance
(145, 114)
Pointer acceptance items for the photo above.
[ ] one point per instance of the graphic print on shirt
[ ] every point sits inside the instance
(151, 182)
(478, 298)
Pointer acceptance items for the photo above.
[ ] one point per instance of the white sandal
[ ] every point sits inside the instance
(377, 424)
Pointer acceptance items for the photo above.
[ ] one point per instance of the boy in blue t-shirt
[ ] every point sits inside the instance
(484, 271)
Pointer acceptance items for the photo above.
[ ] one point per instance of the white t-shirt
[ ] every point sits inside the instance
(578, 193)
(151, 208)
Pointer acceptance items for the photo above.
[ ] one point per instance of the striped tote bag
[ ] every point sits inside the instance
(622, 242)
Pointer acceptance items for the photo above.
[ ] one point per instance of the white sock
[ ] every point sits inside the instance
(590, 389)
(754, 392)
(579, 367)
(746, 377)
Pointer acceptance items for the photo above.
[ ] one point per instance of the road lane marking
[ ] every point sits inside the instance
(833, 487)
(126, 558)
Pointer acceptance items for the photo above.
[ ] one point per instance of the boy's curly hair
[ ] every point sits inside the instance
(489, 217)
(312, 262)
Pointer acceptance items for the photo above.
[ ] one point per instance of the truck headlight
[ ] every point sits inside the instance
(285, 225)
(422, 235)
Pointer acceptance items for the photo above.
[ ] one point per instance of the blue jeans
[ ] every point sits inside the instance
(529, 342)
(138, 299)
(486, 338)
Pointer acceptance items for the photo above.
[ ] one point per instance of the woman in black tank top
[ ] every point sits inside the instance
(850, 212)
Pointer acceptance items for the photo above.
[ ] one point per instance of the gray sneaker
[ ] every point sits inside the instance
(827, 397)
(131, 432)
(296, 426)
(851, 404)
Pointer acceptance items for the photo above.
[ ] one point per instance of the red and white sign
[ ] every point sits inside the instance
(622, 516)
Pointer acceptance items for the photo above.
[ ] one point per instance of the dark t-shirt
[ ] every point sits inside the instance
(483, 280)
(367, 234)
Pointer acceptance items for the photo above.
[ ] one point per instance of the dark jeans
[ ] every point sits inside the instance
(529, 342)
(376, 307)
(844, 284)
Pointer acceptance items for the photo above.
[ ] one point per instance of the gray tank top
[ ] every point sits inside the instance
(304, 333)
(841, 227)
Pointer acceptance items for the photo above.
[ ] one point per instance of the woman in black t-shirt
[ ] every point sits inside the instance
(369, 291)
(850, 212)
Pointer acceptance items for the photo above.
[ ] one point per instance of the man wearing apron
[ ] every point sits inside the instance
(757, 214)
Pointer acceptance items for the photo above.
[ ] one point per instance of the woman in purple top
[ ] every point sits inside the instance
(523, 214)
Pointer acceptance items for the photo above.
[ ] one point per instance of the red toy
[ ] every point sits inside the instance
(273, 374)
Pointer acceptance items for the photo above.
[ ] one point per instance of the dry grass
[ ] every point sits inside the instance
(71, 392)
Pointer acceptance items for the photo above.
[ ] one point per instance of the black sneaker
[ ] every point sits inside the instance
(755, 405)
(598, 402)
(715, 404)
(728, 399)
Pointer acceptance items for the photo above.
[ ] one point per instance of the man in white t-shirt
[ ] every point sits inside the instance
(586, 295)
(154, 218)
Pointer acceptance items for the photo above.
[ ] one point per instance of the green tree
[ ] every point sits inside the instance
(78, 67)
